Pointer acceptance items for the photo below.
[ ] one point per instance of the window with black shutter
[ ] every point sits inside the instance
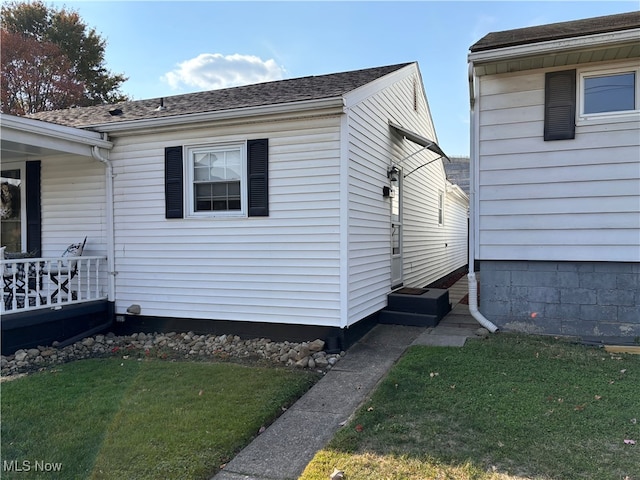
(173, 182)
(222, 180)
(560, 105)
(258, 177)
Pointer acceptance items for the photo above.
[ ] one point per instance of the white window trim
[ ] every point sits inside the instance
(189, 180)
(441, 202)
(605, 117)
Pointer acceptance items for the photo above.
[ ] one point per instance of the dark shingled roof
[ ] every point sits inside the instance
(557, 31)
(260, 94)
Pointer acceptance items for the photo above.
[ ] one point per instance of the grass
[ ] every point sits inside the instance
(509, 407)
(114, 418)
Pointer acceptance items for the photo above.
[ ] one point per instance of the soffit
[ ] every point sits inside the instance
(605, 47)
(559, 59)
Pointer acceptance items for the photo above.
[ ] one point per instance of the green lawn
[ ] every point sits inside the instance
(509, 407)
(130, 419)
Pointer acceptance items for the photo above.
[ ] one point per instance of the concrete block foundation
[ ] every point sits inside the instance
(586, 299)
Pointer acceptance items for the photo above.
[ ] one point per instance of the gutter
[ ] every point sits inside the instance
(473, 214)
(598, 40)
(51, 130)
(111, 262)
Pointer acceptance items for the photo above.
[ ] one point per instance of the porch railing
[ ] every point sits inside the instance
(37, 283)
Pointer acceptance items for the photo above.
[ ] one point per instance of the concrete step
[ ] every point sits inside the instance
(390, 317)
(423, 307)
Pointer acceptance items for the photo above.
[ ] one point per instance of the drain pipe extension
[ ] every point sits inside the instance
(473, 165)
(111, 265)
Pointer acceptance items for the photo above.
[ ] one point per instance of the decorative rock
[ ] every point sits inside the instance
(321, 362)
(316, 346)
(303, 352)
(33, 353)
(303, 362)
(20, 355)
(482, 332)
(172, 345)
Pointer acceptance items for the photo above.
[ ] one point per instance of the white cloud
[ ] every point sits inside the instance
(209, 71)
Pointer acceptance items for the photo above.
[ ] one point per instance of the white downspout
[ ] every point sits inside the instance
(473, 210)
(111, 264)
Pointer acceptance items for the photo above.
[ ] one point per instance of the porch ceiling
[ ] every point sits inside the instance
(12, 151)
(24, 139)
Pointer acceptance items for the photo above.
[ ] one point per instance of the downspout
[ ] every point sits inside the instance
(111, 263)
(473, 211)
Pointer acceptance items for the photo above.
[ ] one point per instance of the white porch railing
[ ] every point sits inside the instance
(38, 283)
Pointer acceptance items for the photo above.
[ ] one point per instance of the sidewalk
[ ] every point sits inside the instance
(283, 451)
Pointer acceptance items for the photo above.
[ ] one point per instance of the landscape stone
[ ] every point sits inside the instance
(316, 346)
(189, 345)
(33, 352)
(20, 355)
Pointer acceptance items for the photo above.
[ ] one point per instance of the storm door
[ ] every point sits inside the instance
(396, 231)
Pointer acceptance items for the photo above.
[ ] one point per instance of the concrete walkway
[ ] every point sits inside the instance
(284, 449)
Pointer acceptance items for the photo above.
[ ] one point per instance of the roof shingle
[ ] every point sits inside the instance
(557, 31)
(260, 94)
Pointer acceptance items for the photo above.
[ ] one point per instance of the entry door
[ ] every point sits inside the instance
(396, 233)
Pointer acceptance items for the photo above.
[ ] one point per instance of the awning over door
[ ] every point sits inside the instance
(418, 139)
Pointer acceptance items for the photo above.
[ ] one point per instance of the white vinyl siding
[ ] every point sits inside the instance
(283, 268)
(564, 200)
(372, 148)
(73, 205)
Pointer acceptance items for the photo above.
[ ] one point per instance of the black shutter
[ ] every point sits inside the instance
(33, 208)
(258, 177)
(173, 183)
(560, 105)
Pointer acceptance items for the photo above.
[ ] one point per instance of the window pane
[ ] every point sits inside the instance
(203, 196)
(217, 176)
(609, 93)
(10, 210)
(233, 165)
(234, 188)
(395, 239)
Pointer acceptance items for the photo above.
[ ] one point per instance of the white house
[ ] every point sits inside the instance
(289, 208)
(555, 167)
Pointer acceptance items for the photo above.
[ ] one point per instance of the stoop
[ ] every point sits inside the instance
(417, 307)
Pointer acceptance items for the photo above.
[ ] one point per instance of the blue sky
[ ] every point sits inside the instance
(167, 48)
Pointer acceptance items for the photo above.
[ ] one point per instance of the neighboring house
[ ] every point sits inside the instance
(288, 209)
(457, 171)
(555, 162)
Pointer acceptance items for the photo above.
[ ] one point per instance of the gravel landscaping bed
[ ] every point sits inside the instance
(309, 355)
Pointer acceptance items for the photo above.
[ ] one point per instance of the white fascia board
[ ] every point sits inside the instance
(233, 114)
(554, 46)
(455, 190)
(43, 133)
(363, 92)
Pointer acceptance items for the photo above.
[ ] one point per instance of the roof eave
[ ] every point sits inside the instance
(310, 106)
(29, 126)
(554, 46)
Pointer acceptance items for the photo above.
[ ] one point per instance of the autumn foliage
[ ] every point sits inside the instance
(50, 59)
(36, 76)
